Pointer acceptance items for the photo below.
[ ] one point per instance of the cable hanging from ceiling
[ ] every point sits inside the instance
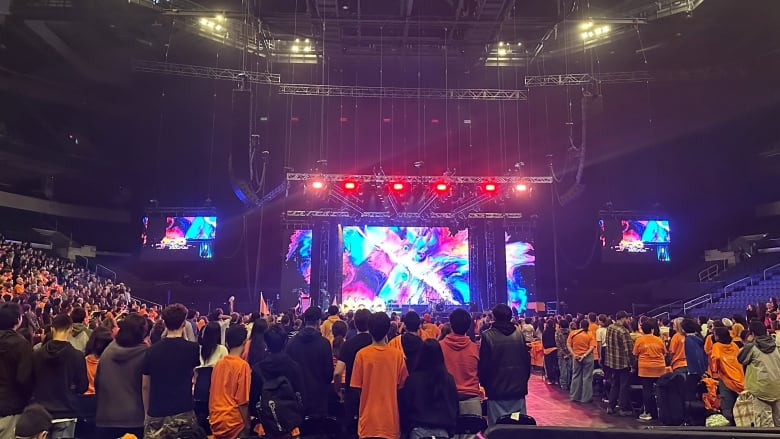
(446, 105)
(381, 86)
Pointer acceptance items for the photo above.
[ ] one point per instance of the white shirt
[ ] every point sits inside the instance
(601, 336)
(219, 352)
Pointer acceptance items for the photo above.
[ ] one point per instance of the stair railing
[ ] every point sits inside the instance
(771, 269)
(112, 273)
(693, 303)
(709, 272)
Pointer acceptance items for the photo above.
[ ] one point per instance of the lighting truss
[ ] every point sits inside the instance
(587, 78)
(398, 216)
(484, 94)
(192, 71)
(383, 179)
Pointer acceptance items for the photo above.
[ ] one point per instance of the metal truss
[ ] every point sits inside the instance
(484, 94)
(275, 192)
(192, 71)
(587, 78)
(502, 179)
(399, 216)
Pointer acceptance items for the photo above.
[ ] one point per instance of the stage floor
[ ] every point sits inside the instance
(550, 406)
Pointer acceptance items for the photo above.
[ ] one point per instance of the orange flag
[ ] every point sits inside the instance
(263, 306)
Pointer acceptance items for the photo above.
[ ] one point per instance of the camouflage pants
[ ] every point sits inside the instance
(175, 426)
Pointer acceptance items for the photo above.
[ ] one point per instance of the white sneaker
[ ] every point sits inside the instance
(645, 417)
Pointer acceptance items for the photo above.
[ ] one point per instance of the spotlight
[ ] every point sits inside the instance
(489, 187)
(317, 184)
(521, 187)
(349, 185)
(441, 187)
(398, 186)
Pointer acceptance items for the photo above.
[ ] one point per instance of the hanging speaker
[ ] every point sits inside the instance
(240, 135)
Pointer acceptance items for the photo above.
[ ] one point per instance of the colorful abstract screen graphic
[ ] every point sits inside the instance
(626, 240)
(405, 265)
(178, 238)
(520, 271)
(299, 255)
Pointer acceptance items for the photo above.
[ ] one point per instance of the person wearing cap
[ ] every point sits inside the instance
(618, 358)
(34, 423)
(315, 355)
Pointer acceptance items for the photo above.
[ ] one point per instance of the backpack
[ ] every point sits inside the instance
(280, 407)
(670, 399)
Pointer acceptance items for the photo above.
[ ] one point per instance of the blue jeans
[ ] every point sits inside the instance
(427, 433)
(582, 380)
(497, 409)
(63, 430)
(564, 365)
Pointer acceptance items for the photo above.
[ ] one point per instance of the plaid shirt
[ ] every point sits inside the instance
(620, 347)
(560, 342)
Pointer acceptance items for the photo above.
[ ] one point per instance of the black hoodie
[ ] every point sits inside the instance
(272, 366)
(313, 351)
(15, 373)
(118, 386)
(60, 377)
(504, 362)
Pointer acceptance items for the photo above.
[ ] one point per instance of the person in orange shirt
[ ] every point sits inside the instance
(581, 345)
(677, 347)
(651, 358)
(731, 375)
(379, 372)
(593, 326)
(97, 343)
(409, 342)
(230, 383)
(428, 329)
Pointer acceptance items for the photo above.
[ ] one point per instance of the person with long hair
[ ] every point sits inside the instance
(429, 399)
(97, 343)
(255, 349)
(211, 349)
(581, 344)
(339, 333)
(551, 372)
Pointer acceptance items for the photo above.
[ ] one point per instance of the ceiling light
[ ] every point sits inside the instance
(519, 44)
(501, 52)
(203, 21)
(584, 35)
(297, 40)
(220, 17)
(217, 28)
(306, 40)
(586, 25)
(598, 31)
(605, 29)
(590, 34)
(501, 44)
(295, 49)
(307, 49)
(210, 24)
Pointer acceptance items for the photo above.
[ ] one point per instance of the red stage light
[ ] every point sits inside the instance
(317, 184)
(349, 185)
(441, 187)
(398, 186)
(521, 187)
(489, 187)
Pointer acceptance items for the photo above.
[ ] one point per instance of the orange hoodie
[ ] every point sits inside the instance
(92, 363)
(461, 356)
(724, 363)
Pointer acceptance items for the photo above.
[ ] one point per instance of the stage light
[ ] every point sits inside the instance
(521, 187)
(317, 184)
(441, 187)
(398, 186)
(489, 187)
(349, 185)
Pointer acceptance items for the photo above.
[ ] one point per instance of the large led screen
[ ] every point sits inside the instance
(635, 240)
(298, 257)
(405, 265)
(178, 238)
(520, 271)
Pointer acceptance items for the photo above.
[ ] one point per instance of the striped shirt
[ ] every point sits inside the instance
(619, 349)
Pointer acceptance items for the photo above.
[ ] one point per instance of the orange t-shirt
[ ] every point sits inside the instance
(92, 364)
(724, 364)
(379, 371)
(429, 330)
(650, 352)
(230, 382)
(580, 341)
(19, 288)
(592, 328)
(708, 342)
(677, 349)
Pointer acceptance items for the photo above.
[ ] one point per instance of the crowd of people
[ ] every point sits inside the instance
(79, 358)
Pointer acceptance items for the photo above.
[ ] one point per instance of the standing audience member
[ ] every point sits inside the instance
(581, 345)
(80, 333)
(551, 372)
(761, 359)
(410, 341)
(255, 349)
(677, 348)
(167, 378)
(429, 399)
(277, 367)
(60, 377)
(98, 342)
(379, 372)
(15, 369)
(564, 356)
(327, 325)
(504, 365)
(33, 423)
(120, 404)
(211, 347)
(229, 395)
(650, 352)
(346, 362)
(461, 357)
(726, 366)
(695, 357)
(617, 357)
(313, 351)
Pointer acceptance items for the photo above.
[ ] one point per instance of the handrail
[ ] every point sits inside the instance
(746, 278)
(86, 261)
(693, 303)
(147, 301)
(668, 315)
(667, 306)
(709, 272)
(770, 269)
(98, 267)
